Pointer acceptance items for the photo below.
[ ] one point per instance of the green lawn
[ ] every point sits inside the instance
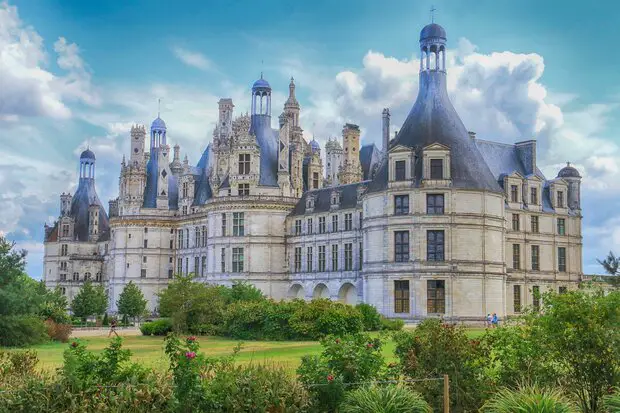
(149, 351)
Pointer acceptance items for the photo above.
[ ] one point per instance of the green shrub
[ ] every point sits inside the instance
(17, 363)
(343, 364)
(246, 320)
(322, 317)
(147, 328)
(384, 399)
(612, 402)
(106, 320)
(529, 399)
(370, 317)
(17, 331)
(392, 324)
(161, 327)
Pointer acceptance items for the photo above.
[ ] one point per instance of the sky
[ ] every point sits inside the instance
(75, 74)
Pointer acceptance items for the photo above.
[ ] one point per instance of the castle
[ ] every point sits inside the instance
(436, 222)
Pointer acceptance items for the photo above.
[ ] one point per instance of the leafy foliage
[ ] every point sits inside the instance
(370, 317)
(392, 324)
(320, 317)
(131, 301)
(90, 300)
(58, 332)
(434, 349)
(23, 330)
(384, 399)
(160, 327)
(529, 399)
(344, 363)
(611, 402)
(611, 264)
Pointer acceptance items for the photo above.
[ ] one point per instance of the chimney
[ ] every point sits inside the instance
(386, 130)
(527, 153)
(472, 135)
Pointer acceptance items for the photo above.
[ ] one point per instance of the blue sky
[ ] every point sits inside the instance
(74, 73)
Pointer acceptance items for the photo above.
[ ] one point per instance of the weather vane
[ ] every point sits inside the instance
(433, 10)
(158, 106)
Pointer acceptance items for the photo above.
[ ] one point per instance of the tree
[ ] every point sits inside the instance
(54, 305)
(611, 264)
(90, 300)
(131, 302)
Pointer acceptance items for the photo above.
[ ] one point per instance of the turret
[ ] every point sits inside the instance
(386, 131)
(138, 137)
(571, 175)
(291, 106)
(351, 170)
(333, 156)
(315, 166)
(176, 167)
(87, 165)
(65, 204)
(93, 222)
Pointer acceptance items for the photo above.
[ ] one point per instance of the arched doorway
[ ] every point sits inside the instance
(296, 291)
(348, 294)
(320, 291)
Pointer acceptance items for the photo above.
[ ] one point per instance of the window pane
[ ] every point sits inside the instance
(436, 168)
(399, 168)
(401, 296)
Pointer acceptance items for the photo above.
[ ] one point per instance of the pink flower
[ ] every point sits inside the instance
(330, 378)
(74, 344)
(369, 345)
(191, 338)
(190, 355)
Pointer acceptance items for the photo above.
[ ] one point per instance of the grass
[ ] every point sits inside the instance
(149, 351)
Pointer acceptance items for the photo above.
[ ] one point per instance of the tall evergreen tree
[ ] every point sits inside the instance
(611, 264)
(131, 302)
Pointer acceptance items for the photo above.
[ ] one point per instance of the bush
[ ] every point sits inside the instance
(370, 317)
(322, 317)
(161, 327)
(246, 320)
(106, 320)
(17, 363)
(384, 399)
(344, 362)
(392, 324)
(147, 328)
(612, 402)
(529, 399)
(58, 332)
(20, 331)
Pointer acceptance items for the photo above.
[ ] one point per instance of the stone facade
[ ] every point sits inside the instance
(436, 223)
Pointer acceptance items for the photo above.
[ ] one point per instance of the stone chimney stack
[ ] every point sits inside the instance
(386, 130)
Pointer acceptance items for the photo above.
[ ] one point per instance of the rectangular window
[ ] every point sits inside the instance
(64, 249)
(144, 260)
(179, 265)
(185, 210)
(321, 257)
(143, 273)
(309, 259)
(361, 256)
(561, 226)
(204, 236)
(534, 196)
(348, 257)
(334, 257)
(146, 230)
(515, 222)
(203, 267)
(562, 290)
(401, 296)
(63, 277)
(297, 261)
(76, 276)
(170, 274)
(399, 170)
(244, 164)
(535, 257)
(197, 237)
(562, 259)
(436, 168)
(238, 224)
(244, 189)
(534, 221)
(348, 222)
(315, 180)
(146, 243)
(560, 199)
(65, 230)
(435, 296)
(321, 225)
(401, 204)
(435, 245)
(197, 266)
(237, 259)
(98, 277)
(223, 260)
(298, 227)
(434, 204)
(180, 239)
(536, 298)
(171, 244)
(186, 266)
(516, 298)
(514, 193)
(516, 256)
(334, 223)
(401, 246)
(184, 189)
(224, 225)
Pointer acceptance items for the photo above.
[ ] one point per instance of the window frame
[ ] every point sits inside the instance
(516, 299)
(401, 297)
(435, 209)
(400, 170)
(244, 163)
(535, 257)
(534, 224)
(401, 246)
(348, 256)
(435, 302)
(562, 259)
(237, 259)
(322, 260)
(435, 251)
(335, 257)
(238, 224)
(401, 204)
(516, 256)
(436, 168)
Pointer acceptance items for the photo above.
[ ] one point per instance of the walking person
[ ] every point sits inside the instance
(113, 328)
(487, 321)
(494, 320)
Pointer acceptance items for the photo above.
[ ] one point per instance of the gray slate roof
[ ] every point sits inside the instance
(322, 198)
(85, 196)
(370, 156)
(267, 140)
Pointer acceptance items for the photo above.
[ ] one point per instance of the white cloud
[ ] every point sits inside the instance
(26, 87)
(194, 59)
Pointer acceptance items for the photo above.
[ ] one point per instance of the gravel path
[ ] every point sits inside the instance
(104, 331)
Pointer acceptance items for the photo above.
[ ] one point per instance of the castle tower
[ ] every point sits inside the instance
(291, 106)
(158, 168)
(175, 166)
(93, 222)
(224, 124)
(333, 152)
(87, 165)
(65, 204)
(261, 98)
(138, 136)
(284, 177)
(386, 131)
(315, 166)
(351, 170)
(571, 175)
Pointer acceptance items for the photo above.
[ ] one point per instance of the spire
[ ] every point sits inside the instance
(433, 10)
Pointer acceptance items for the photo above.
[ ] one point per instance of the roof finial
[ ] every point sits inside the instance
(567, 163)
(158, 106)
(433, 10)
(261, 68)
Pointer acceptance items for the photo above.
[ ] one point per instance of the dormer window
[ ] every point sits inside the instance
(399, 171)
(310, 203)
(560, 199)
(534, 196)
(185, 189)
(436, 168)
(514, 193)
(335, 199)
(244, 164)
